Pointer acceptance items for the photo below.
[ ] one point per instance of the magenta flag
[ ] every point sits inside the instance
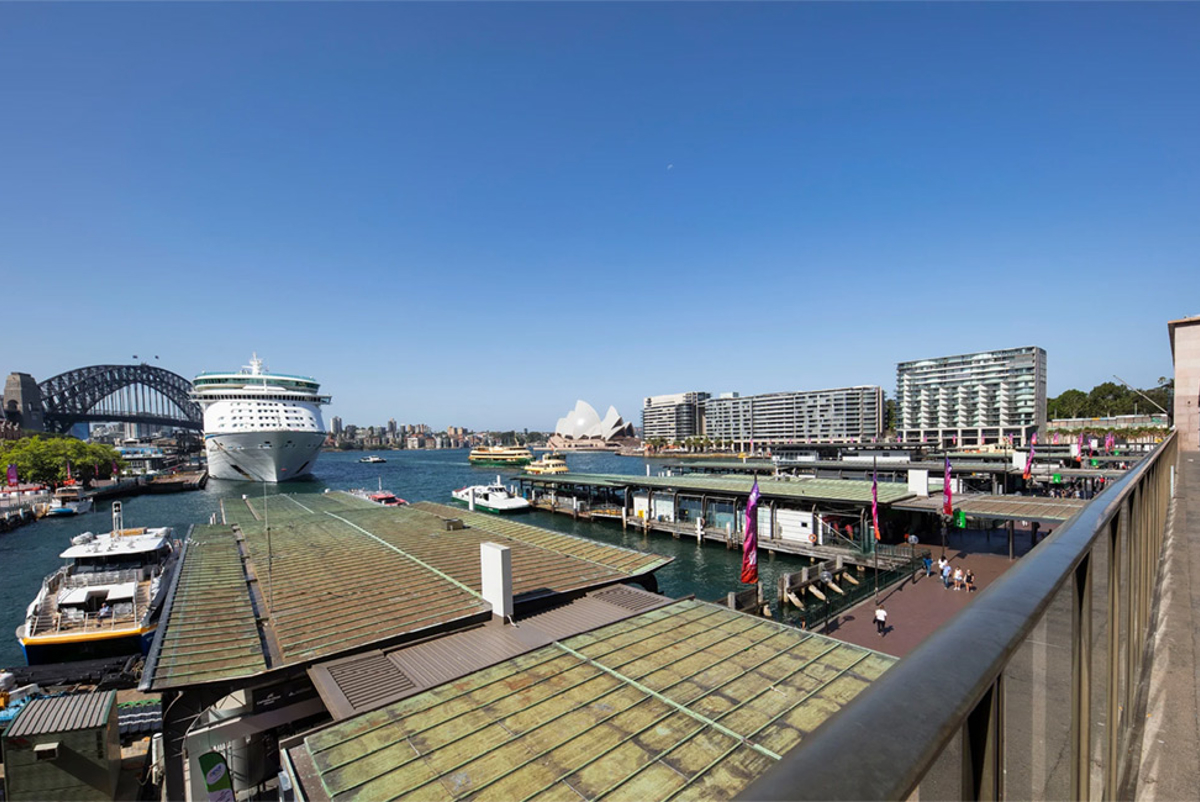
(114, 469)
(12, 475)
(1029, 461)
(947, 494)
(875, 502)
(750, 542)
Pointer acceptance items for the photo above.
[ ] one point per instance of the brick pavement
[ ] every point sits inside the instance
(916, 610)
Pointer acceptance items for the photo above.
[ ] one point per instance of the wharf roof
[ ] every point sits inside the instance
(687, 701)
(366, 681)
(345, 574)
(1004, 508)
(829, 490)
(54, 714)
(958, 465)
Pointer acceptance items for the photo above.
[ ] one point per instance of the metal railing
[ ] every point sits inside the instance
(1031, 692)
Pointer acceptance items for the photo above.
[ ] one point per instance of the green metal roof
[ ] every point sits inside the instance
(211, 631)
(345, 573)
(833, 490)
(689, 701)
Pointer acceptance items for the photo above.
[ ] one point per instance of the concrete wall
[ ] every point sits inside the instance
(1187, 382)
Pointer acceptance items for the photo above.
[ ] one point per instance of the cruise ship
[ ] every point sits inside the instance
(260, 426)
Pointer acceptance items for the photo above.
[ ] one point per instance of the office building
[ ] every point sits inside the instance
(972, 399)
(843, 415)
(673, 417)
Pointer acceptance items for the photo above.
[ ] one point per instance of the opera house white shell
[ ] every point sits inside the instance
(582, 423)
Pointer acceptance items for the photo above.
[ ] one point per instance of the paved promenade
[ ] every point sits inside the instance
(917, 610)
(1170, 749)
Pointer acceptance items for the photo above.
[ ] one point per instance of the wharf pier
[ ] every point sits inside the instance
(822, 519)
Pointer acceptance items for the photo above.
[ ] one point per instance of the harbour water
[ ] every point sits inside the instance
(709, 571)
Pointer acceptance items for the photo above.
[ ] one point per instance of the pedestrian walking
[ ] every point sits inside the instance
(969, 578)
(946, 576)
(958, 579)
(880, 619)
(928, 565)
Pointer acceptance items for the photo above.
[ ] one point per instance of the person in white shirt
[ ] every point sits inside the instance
(880, 619)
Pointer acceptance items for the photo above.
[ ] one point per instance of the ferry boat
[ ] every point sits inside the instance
(68, 500)
(105, 601)
(548, 464)
(260, 426)
(373, 459)
(500, 455)
(493, 498)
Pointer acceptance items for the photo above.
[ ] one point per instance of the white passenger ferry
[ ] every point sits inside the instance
(260, 426)
(104, 602)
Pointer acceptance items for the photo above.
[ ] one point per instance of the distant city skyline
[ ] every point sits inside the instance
(477, 214)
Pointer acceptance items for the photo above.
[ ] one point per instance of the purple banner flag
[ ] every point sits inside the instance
(875, 502)
(947, 494)
(750, 543)
(12, 475)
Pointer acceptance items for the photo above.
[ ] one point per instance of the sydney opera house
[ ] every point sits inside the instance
(583, 430)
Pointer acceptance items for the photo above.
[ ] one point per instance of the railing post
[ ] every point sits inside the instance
(1081, 680)
(1113, 624)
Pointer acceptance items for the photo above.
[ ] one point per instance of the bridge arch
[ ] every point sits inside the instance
(119, 393)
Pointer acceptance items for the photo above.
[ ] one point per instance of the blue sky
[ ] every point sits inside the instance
(472, 215)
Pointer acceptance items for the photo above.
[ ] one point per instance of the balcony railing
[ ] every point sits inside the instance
(1029, 693)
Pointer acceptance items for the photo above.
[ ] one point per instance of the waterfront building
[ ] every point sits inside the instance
(673, 417)
(583, 430)
(842, 415)
(972, 399)
(335, 426)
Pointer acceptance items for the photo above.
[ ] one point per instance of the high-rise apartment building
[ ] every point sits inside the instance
(335, 426)
(972, 399)
(673, 417)
(843, 415)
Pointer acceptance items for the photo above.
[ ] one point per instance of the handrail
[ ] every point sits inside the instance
(887, 739)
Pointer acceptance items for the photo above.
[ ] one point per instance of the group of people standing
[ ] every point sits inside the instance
(952, 577)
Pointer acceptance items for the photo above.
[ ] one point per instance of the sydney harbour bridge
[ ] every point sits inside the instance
(139, 393)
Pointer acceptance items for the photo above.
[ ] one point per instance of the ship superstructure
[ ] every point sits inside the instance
(260, 426)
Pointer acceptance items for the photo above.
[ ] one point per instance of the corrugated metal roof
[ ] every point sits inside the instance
(689, 701)
(54, 714)
(345, 573)
(365, 682)
(1003, 508)
(841, 490)
(211, 632)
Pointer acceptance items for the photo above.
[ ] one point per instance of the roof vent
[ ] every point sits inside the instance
(454, 524)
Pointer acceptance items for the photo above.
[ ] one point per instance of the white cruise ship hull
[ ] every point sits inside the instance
(262, 456)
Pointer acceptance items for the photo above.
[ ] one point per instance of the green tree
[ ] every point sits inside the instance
(1069, 404)
(1110, 398)
(44, 460)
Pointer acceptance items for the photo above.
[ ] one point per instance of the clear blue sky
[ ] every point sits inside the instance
(474, 214)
